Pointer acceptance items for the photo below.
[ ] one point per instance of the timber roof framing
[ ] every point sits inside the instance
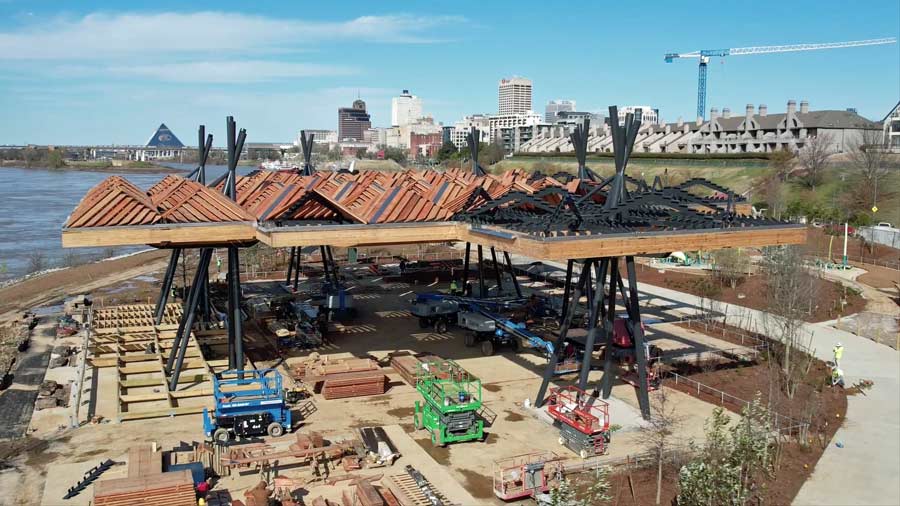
(549, 217)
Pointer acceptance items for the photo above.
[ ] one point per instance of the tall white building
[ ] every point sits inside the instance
(649, 115)
(554, 107)
(514, 96)
(405, 109)
(461, 128)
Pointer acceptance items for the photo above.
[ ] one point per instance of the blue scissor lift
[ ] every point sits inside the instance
(248, 403)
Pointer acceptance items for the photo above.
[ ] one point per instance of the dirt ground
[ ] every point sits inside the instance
(55, 286)
(857, 250)
(751, 292)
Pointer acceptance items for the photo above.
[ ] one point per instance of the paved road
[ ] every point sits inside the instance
(17, 402)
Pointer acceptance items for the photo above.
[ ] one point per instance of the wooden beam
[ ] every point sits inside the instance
(360, 235)
(166, 235)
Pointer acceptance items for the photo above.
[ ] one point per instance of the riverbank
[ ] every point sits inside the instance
(105, 166)
(58, 284)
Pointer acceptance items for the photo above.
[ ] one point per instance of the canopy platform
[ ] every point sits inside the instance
(556, 217)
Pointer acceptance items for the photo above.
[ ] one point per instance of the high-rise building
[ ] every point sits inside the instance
(554, 107)
(515, 96)
(405, 109)
(353, 121)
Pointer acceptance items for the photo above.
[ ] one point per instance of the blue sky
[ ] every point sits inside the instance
(91, 72)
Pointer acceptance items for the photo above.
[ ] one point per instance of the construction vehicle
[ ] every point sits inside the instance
(451, 401)
(526, 475)
(582, 419)
(437, 312)
(624, 354)
(247, 403)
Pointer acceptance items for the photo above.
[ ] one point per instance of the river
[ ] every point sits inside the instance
(34, 204)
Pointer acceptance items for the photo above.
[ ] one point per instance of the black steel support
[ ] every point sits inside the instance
(166, 286)
(563, 332)
(297, 268)
(567, 291)
(334, 267)
(637, 330)
(609, 366)
(182, 336)
(465, 280)
(290, 268)
(497, 273)
(512, 274)
(235, 318)
(324, 255)
(596, 313)
(481, 288)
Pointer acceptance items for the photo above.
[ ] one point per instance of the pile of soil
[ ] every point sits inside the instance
(754, 291)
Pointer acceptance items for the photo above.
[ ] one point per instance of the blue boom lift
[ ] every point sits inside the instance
(248, 403)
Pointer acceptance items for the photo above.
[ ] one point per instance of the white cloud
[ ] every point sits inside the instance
(101, 35)
(238, 71)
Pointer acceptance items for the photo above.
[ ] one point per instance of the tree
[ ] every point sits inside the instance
(658, 432)
(598, 492)
(447, 151)
(731, 265)
(37, 261)
(752, 441)
(396, 154)
(564, 494)
(712, 479)
(867, 156)
(55, 159)
(792, 292)
(782, 161)
(490, 154)
(814, 159)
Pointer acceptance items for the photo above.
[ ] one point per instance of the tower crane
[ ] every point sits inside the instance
(704, 55)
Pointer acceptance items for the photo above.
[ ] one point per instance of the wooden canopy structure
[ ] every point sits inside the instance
(557, 217)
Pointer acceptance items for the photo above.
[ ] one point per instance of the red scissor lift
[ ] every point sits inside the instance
(583, 420)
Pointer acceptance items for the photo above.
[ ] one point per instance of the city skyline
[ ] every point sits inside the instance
(158, 63)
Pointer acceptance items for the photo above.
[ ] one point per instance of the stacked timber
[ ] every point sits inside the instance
(406, 365)
(342, 378)
(164, 489)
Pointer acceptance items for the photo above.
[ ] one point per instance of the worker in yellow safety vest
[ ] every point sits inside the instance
(838, 352)
(837, 377)
(454, 287)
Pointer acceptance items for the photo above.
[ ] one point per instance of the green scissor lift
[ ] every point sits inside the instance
(451, 400)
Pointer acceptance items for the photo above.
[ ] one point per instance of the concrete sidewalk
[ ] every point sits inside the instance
(866, 471)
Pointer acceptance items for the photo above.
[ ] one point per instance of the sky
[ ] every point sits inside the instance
(93, 72)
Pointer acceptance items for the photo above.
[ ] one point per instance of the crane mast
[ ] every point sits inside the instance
(704, 54)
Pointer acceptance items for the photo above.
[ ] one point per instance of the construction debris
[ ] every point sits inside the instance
(342, 378)
(406, 365)
(380, 450)
(51, 394)
(412, 489)
(88, 478)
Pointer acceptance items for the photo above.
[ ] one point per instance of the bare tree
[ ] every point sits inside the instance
(814, 158)
(867, 156)
(37, 261)
(782, 162)
(658, 432)
(792, 292)
(731, 265)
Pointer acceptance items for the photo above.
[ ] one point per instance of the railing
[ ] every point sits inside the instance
(737, 333)
(783, 425)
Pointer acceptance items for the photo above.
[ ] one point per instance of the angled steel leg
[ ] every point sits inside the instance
(567, 291)
(637, 330)
(179, 346)
(497, 271)
(596, 312)
(324, 255)
(334, 268)
(609, 366)
(481, 289)
(563, 331)
(512, 274)
(297, 269)
(166, 286)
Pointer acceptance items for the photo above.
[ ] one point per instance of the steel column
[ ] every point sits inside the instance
(512, 273)
(563, 331)
(609, 366)
(595, 315)
(290, 268)
(497, 271)
(325, 263)
(566, 291)
(334, 269)
(465, 281)
(634, 318)
(481, 291)
(179, 346)
(166, 286)
(235, 318)
(297, 269)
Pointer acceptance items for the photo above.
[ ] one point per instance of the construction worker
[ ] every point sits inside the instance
(218, 263)
(837, 377)
(838, 352)
(454, 287)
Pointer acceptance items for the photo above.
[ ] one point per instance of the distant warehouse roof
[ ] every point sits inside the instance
(164, 138)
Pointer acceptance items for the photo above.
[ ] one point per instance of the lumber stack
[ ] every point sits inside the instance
(406, 365)
(354, 384)
(165, 489)
(407, 492)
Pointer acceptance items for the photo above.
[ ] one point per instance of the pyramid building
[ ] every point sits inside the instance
(163, 145)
